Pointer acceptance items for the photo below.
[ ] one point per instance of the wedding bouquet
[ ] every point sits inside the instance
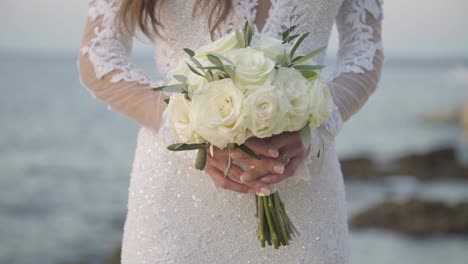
(244, 85)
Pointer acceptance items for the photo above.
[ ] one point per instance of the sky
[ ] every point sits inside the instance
(411, 27)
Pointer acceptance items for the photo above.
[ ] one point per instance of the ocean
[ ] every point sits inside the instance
(65, 160)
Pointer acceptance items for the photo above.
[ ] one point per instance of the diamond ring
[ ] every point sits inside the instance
(285, 158)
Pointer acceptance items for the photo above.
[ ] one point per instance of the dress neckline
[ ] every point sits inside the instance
(267, 17)
(248, 10)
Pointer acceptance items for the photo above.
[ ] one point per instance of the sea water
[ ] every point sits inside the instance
(65, 160)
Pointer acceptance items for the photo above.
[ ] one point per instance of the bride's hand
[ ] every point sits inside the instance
(216, 165)
(273, 170)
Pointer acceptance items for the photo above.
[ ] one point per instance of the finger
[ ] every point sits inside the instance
(272, 178)
(221, 164)
(219, 153)
(285, 139)
(290, 170)
(253, 175)
(267, 164)
(258, 186)
(262, 147)
(226, 182)
(237, 153)
(292, 150)
(292, 167)
(276, 165)
(235, 173)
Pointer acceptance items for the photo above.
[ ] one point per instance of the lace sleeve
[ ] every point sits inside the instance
(360, 56)
(106, 68)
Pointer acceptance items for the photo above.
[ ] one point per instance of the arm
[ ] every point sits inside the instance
(360, 56)
(106, 68)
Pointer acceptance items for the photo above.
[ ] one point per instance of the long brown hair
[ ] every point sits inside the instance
(145, 14)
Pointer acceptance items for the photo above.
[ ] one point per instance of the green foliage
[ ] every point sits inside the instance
(214, 59)
(240, 39)
(200, 162)
(309, 55)
(184, 147)
(194, 70)
(190, 52)
(297, 44)
(249, 152)
(180, 78)
(175, 88)
(287, 34)
(306, 136)
(309, 67)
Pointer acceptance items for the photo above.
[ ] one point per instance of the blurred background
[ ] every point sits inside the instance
(65, 160)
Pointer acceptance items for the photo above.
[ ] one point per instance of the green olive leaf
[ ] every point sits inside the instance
(214, 59)
(240, 39)
(249, 152)
(297, 44)
(309, 55)
(309, 67)
(306, 136)
(190, 52)
(180, 78)
(185, 147)
(194, 70)
(200, 162)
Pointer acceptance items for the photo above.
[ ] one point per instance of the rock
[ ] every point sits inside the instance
(415, 218)
(114, 258)
(437, 164)
(464, 121)
(450, 116)
(359, 168)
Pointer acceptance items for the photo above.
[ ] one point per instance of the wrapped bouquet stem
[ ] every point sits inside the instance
(245, 85)
(274, 225)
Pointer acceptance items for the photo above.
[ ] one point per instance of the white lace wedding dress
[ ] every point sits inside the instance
(175, 213)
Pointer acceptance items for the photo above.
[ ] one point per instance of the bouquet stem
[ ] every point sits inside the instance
(274, 225)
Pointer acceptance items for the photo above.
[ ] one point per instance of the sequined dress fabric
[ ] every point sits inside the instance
(176, 214)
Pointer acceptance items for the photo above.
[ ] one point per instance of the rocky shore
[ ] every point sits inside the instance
(438, 164)
(415, 217)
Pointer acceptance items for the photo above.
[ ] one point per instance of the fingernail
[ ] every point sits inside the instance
(266, 179)
(278, 169)
(265, 190)
(245, 178)
(273, 153)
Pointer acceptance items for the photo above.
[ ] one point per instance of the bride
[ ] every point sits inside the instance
(177, 214)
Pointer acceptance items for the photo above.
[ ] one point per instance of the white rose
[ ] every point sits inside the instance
(296, 89)
(217, 113)
(220, 46)
(180, 119)
(321, 102)
(195, 82)
(253, 68)
(273, 48)
(266, 110)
